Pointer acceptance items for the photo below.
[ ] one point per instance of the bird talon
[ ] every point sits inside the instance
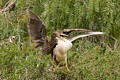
(68, 70)
(56, 68)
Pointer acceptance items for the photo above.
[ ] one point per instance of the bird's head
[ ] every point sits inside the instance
(63, 35)
(58, 35)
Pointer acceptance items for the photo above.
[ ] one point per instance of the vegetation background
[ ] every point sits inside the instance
(93, 58)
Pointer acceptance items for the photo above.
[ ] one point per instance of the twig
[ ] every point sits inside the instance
(8, 6)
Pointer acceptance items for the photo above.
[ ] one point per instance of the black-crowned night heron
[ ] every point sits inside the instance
(59, 44)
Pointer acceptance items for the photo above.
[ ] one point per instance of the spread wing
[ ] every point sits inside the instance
(36, 30)
(37, 33)
(85, 31)
(67, 31)
(85, 35)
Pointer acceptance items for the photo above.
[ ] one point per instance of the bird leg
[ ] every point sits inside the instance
(57, 67)
(58, 64)
(66, 63)
(67, 67)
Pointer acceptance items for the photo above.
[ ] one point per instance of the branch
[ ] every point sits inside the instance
(8, 6)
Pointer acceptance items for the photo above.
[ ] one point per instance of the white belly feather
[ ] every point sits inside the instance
(61, 49)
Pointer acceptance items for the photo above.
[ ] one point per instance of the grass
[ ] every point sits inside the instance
(87, 62)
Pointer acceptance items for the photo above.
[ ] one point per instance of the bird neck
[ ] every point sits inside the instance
(61, 38)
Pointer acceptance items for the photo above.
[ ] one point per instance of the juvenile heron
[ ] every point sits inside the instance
(59, 43)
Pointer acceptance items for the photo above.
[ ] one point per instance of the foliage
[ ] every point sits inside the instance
(87, 61)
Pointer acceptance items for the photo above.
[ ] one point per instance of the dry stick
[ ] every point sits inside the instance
(8, 6)
(115, 44)
(6, 20)
(107, 46)
(18, 34)
(19, 46)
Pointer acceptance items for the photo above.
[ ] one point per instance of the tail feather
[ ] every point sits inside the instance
(85, 35)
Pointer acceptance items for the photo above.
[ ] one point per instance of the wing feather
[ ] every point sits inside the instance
(85, 35)
(36, 30)
(67, 31)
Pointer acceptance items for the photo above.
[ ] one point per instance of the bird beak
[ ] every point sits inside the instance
(64, 35)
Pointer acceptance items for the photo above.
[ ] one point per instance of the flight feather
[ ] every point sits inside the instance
(36, 30)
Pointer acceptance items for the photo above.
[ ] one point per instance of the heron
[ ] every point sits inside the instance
(59, 44)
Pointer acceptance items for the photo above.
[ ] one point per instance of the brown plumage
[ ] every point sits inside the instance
(59, 44)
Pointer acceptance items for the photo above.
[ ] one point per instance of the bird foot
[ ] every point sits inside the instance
(56, 68)
(68, 70)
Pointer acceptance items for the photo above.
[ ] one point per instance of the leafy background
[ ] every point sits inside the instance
(87, 60)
